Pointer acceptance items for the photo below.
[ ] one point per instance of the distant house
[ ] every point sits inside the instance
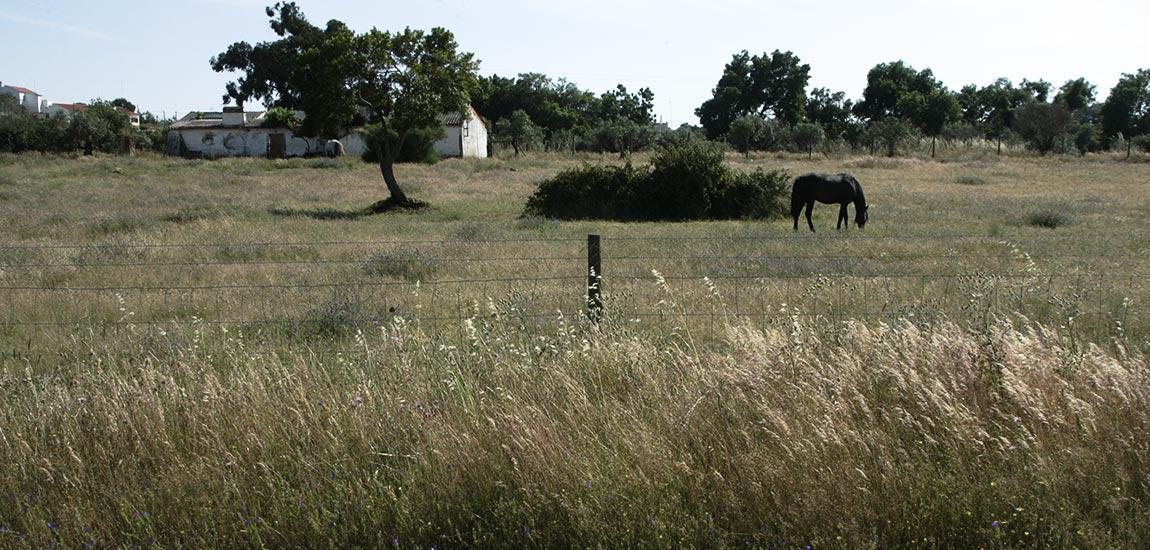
(31, 101)
(38, 104)
(235, 133)
(466, 135)
(68, 109)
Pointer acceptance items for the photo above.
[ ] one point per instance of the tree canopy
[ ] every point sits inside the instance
(769, 85)
(1127, 108)
(401, 81)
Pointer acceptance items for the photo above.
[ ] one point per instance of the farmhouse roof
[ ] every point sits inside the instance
(212, 120)
(254, 119)
(73, 107)
(23, 90)
(456, 118)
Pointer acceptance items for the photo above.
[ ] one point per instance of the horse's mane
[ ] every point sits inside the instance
(860, 199)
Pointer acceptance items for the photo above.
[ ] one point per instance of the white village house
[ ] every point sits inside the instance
(40, 105)
(235, 133)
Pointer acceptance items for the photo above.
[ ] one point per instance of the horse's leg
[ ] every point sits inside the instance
(810, 207)
(842, 216)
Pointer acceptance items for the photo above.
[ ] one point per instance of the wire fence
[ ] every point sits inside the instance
(326, 289)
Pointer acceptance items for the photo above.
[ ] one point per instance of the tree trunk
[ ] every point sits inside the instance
(515, 146)
(1129, 142)
(999, 139)
(810, 151)
(386, 166)
(932, 140)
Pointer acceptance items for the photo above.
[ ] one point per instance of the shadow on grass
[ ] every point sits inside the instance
(380, 207)
(318, 213)
(391, 205)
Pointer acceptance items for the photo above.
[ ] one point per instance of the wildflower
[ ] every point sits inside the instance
(995, 523)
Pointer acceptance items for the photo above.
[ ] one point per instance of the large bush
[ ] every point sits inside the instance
(589, 192)
(684, 181)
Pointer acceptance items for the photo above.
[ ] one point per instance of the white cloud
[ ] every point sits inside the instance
(66, 28)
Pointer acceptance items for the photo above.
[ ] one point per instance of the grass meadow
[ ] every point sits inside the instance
(230, 353)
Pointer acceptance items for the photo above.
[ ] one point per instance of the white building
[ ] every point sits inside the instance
(31, 101)
(234, 133)
(466, 135)
(38, 104)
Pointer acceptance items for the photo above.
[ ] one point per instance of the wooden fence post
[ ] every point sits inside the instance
(594, 279)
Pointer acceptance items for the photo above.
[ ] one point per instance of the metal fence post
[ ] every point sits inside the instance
(594, 279)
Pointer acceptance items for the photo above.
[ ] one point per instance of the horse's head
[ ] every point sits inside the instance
(861, 216)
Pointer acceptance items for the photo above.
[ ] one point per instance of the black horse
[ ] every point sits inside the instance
(840, 189)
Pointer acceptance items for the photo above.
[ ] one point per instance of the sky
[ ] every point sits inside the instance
(156, 52)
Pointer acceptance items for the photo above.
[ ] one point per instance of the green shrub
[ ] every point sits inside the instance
(682, 181)
(1048, 218)
(1141, 143)
(758, 194)
(588, 192)
(686, 181)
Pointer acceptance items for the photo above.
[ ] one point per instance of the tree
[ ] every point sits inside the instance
(807, 136)
(999, 102)
(939, 108)
(771, 85)
(1041, 124)
(401, 81)
(1127, 108)
(747, 132)
(124, 104)
(518, 130)
(1038, 90)
(831, 111)
(268, 67)
(890, 132)
(1076, 94)
(618, 103)
(897, 90)
(16, 125)
(623, 136)
(100, 128)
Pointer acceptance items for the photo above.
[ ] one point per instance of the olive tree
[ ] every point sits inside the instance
(401, 81)
(807, 136)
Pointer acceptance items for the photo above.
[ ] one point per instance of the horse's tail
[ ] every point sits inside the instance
(798, 194)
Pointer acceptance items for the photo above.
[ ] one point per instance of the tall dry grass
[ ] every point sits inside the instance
(871, 436)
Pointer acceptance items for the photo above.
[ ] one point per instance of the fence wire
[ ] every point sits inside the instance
(51, 293)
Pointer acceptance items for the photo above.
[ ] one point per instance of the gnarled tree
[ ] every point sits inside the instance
(402, 81)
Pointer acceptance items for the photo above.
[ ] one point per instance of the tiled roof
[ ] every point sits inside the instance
(216, 120)
(23, 90)
(74, 107)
